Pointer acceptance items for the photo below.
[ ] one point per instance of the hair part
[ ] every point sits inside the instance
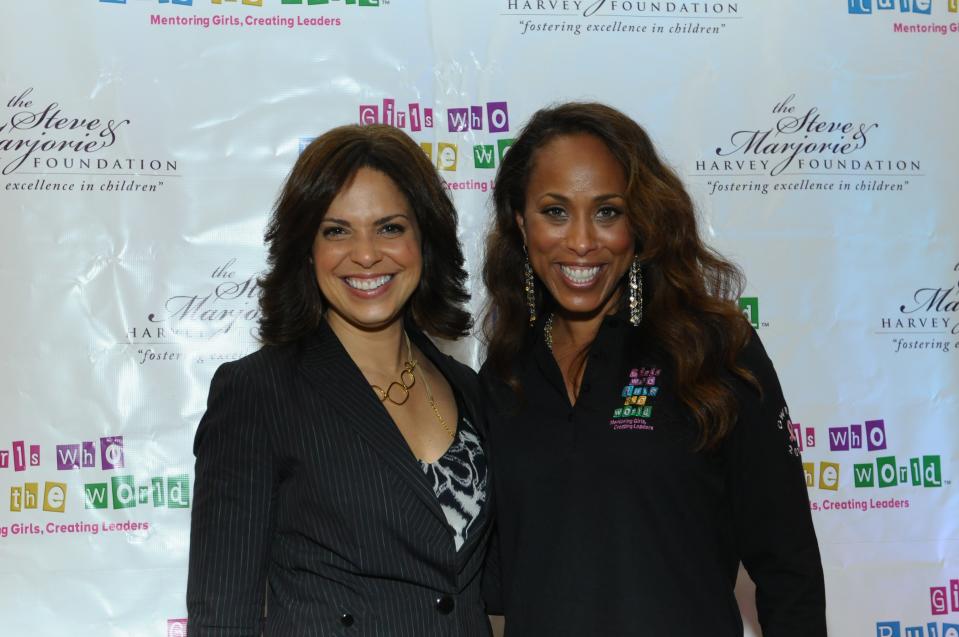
(690, 291)
(291, 303)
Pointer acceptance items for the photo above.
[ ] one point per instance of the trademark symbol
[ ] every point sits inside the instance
(764, 324)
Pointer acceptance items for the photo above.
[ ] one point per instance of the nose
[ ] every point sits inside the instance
(365, 252)
(581, 237)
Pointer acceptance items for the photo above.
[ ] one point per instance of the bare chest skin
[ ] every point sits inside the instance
(425, 436)
(572, 367)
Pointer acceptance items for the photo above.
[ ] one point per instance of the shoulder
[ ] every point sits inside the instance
(488, 379)
(754, 359)
(462, 376)
(764, 413)
(256, 370)
(499, 397)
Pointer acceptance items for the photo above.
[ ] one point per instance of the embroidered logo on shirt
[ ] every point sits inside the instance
(638, 396)
(784, 422)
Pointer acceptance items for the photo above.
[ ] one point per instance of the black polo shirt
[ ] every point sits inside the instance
(610, 524)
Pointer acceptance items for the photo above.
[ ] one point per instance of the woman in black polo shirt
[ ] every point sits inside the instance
(641, 446)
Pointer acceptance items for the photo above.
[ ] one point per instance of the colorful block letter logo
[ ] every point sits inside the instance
(484, 156)
(446, 156)
(54, 497)
(111, 452)
(176, 628)
(875, 435)
(749, 305)
(829, 476)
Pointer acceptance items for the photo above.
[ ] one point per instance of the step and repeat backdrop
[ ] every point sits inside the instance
(143, 142)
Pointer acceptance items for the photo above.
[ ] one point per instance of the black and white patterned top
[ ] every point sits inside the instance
(458, 479)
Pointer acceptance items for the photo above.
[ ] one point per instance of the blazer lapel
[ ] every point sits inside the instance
(471, 402)
(328, 365)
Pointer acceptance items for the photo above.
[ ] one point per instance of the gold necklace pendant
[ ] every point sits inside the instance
(403, 386)
(406, 381)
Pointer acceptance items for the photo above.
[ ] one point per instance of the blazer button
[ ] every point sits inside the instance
(346, 619)
(444, 604)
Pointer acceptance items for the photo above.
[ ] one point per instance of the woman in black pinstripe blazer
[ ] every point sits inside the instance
(341, 484)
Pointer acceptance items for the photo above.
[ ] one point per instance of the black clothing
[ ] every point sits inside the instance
(610, 525)
(307, 494)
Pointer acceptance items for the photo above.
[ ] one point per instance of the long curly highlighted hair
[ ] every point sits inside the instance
(690, 291)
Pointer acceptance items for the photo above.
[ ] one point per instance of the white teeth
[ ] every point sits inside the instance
(578, 274)
(368, 284)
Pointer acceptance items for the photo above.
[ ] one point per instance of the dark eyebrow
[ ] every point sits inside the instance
(378, 222)
(597, 198)
(388, 218)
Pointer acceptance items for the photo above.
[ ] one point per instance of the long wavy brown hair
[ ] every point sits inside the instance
(690, 291)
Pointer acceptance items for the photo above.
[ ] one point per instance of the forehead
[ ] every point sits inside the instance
(576, 162)
(368, 195)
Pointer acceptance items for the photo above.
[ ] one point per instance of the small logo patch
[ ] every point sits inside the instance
(784, 423)
(638, 397)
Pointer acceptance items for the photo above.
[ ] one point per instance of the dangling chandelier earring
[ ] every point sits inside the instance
(529, 285)
(635, 293)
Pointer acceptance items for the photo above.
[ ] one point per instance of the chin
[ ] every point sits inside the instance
(585, 304)
(372, 319)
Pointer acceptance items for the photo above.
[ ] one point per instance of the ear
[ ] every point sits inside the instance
(521, 222)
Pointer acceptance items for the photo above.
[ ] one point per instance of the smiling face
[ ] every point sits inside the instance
(574, 224)
(366, 254)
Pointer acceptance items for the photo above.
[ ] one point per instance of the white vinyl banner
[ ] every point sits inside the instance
(143, 143)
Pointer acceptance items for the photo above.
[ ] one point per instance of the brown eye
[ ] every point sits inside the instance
(333, 232)
(608, 212)
(392, 229)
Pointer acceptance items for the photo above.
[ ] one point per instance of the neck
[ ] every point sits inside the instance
(382, 349)
(575, 331)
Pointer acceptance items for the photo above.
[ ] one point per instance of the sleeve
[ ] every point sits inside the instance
(492, 582)
(230, 527)
(777, 541)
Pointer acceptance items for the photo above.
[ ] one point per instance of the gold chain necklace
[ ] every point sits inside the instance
(402, 383)
(404, 387)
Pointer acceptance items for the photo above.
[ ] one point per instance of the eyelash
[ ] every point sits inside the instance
(556, 211)
(393, 228)
(331, 231)
(387, 229)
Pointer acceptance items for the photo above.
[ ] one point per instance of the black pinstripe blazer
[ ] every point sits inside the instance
(308, 497)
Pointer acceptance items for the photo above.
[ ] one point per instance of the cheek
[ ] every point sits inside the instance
(618, 239)
(325, 260)
(542, 237)
(407, 252)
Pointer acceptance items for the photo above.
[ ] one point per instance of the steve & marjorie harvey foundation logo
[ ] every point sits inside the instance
(621, 18)
(802, 148)
(210, 322)
(47, 147)
(926, 319)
